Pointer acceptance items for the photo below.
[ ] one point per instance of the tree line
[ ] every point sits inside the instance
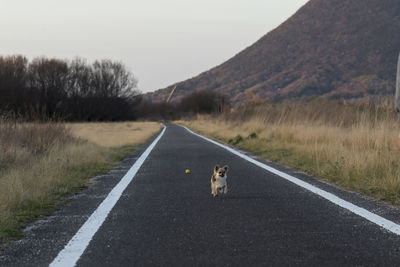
(198, 102)
(71, 90)
(75, 90)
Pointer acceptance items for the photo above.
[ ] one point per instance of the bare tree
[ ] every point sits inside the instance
(111, 79)
(50, 78)
(12, 82)
(80, 78)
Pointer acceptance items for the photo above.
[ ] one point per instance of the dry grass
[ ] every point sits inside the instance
(40, 162)
(114, 134)
(356, 149)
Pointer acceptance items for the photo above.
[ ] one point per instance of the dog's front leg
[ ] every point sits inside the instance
(225, 189)
(213, 189)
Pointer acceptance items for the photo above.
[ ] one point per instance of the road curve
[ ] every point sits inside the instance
(166, 217)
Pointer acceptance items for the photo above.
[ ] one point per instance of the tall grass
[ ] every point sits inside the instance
(318, 111)
(40, 162)
(352, 145)
(23, 143)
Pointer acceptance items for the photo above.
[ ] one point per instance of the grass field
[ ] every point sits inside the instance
(41, 162)
(353, 146)
(114, 134)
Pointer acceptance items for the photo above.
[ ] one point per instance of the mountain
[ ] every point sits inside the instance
(330, 48)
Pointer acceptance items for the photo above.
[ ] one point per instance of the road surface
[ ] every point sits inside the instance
(166, 217)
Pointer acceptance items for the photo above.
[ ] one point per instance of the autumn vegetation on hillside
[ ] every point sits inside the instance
(337, 49)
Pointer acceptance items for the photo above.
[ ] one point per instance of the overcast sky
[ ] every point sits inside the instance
(160, 41)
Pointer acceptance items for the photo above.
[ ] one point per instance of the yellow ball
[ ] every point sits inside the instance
(187, 171)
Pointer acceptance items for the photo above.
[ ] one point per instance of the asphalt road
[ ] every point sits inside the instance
(168, 218)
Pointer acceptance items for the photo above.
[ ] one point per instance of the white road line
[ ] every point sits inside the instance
(77, 245)
(372, 217)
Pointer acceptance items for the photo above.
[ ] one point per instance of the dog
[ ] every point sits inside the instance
(218, 181)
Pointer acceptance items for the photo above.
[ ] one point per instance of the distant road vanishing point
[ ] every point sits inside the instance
(149, 212)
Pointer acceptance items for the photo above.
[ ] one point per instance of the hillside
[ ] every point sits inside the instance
(335, 48)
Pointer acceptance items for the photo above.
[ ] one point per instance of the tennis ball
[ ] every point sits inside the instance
(187, 171)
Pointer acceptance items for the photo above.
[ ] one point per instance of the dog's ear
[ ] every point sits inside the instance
(226, 168)
(216, 168)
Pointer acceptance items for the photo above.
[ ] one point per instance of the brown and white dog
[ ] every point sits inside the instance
(218, 181)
